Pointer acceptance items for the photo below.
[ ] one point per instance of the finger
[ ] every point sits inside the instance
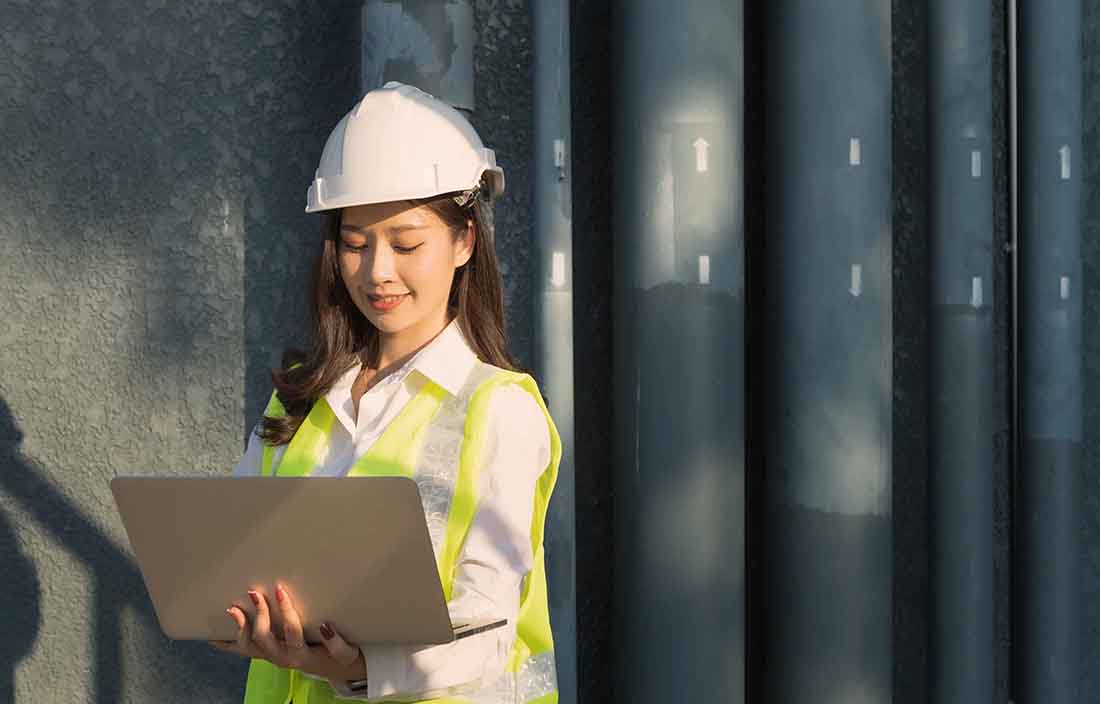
(292, 626)
(339, 649)
(244, 630)
(261, 628)
(242, 645)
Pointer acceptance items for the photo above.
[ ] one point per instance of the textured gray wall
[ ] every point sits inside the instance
(154, 158)
(593, 170)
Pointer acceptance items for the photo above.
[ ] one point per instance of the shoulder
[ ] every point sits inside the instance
(512, 405)
(513, 410)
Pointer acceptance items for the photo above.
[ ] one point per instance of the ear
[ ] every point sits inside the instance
(465, 244)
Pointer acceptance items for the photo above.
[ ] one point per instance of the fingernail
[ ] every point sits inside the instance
(327, 632)
(255, 597)
(280, 594)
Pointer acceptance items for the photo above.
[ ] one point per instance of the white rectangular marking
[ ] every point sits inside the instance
(1065, 288)
(559, 153)
(557, 276)
(975, 164)
(976, 297)
(704, 269)
(854, 156)
(1065, 156)
(857, 280)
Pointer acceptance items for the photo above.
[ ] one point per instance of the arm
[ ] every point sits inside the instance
(252, 461)
(495, 558)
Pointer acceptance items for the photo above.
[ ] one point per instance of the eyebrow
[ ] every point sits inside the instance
(393, 229)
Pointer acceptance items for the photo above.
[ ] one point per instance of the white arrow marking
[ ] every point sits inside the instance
(976, 292)
(701, 146)
(857, 280)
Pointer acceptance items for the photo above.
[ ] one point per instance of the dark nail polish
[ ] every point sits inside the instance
(255, 598)
(327, 632)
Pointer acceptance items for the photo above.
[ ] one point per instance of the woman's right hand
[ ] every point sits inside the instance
(334, 659)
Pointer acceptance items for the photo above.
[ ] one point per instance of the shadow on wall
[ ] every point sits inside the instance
(181, 667)
(19, 588)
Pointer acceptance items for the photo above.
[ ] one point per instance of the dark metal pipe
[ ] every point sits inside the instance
(679, 604)
(960, 84)
(554, 318)
(1047, 600)
(829, 522)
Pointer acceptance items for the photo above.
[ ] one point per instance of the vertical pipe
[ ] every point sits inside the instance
(429, 45)
(679, 605)
(1047, 606)
(1014, 248)
(960, 89)
(554, 336)
(829, 485)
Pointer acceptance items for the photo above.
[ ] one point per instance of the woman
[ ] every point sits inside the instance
(409, 373)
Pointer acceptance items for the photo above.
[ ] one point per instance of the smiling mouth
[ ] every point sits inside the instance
(385, 303)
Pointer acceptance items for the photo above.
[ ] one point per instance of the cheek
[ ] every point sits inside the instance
(426, 273)
(349, 265)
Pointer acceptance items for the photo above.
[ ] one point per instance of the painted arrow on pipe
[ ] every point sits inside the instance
(702, 148)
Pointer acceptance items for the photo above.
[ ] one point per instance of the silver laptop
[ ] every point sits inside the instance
(353, 551)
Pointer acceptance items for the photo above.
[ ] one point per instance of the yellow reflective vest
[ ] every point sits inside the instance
(435, 419)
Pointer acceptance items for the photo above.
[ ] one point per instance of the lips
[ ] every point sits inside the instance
(386, 303)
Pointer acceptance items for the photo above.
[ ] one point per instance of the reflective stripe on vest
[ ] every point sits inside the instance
(438, 440)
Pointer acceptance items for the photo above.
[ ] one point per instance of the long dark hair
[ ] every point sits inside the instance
(340, 332)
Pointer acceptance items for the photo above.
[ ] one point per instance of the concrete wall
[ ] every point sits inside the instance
(154, 158)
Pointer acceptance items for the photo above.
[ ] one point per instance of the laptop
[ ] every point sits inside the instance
(352, 551)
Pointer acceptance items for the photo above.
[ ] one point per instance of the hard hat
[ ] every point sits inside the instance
(400, 143)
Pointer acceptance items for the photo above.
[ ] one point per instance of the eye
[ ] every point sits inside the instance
(406, 250)
(353, 247)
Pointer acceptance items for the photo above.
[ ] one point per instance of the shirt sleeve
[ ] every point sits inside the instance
(251, 463)
(494, 560)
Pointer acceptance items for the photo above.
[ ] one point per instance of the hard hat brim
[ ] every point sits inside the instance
(327, 194)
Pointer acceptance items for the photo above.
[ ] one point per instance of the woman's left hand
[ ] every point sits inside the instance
(335, 659)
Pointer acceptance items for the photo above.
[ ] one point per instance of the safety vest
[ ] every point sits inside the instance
(436, 439)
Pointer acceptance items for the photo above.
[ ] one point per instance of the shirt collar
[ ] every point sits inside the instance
(446, 360)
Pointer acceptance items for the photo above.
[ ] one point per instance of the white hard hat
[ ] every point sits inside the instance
(400, 143)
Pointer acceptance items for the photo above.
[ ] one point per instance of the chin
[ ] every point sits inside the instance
(390, 324)
(386, 325)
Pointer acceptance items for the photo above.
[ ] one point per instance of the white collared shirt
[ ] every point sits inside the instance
(497, 552)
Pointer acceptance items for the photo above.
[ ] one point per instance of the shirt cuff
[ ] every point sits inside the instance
(385, 669)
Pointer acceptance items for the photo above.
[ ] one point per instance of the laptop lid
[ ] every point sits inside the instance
(353, 551)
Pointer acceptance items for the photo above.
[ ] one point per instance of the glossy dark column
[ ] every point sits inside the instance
(829, 249)
(679, 352)
(960, 83)
(1047, 602)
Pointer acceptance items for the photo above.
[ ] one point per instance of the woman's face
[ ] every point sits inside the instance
(398, 262)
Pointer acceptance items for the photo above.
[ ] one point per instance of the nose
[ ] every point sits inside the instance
(380, 263)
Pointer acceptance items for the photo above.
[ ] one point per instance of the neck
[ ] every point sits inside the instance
(395, 348)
